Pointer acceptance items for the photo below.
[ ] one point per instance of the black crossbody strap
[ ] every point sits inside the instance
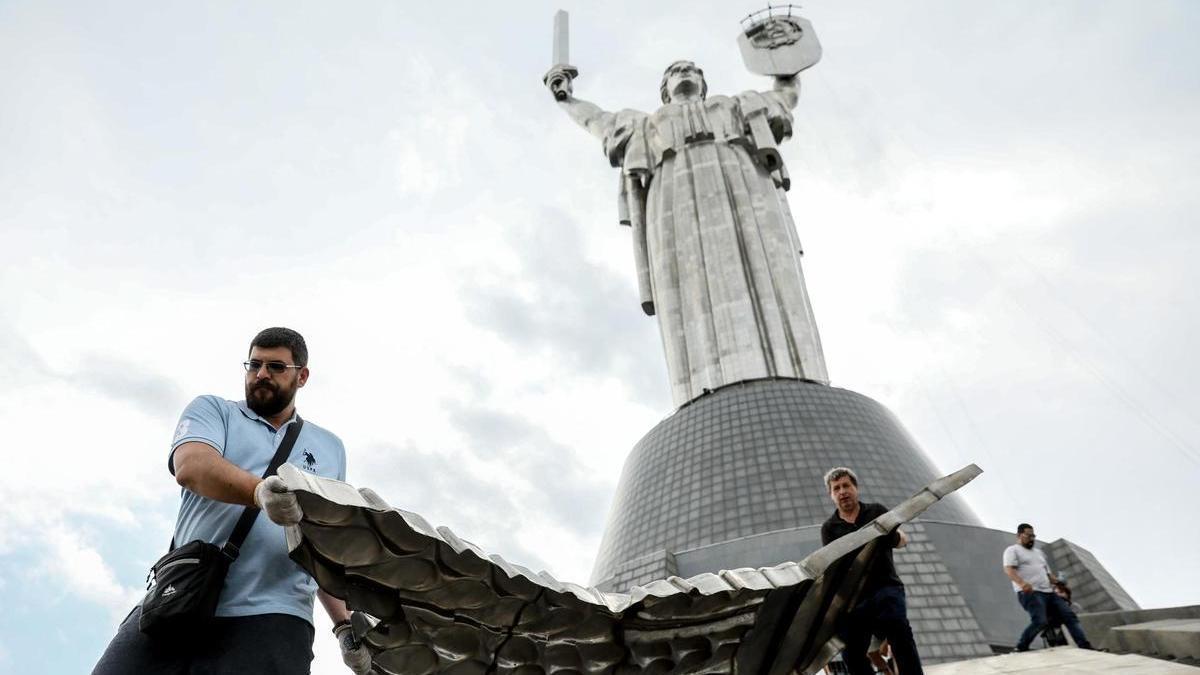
(233, 547)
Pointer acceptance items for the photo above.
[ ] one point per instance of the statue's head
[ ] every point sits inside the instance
(682, 79)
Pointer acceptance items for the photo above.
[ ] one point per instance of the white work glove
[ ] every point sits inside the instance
(355, 655)
(273, 496)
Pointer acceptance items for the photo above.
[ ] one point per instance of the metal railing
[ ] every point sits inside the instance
(771, 11)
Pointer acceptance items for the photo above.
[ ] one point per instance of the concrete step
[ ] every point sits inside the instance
(1063, 661)
(1169, 638)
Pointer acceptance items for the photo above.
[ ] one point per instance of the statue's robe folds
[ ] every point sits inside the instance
(716, 249)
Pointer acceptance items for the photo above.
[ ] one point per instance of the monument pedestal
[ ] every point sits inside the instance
(734, 479)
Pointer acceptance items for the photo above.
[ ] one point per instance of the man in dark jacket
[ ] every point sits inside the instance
(881, 608)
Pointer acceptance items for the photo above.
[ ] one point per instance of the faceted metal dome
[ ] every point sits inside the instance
(749, 459)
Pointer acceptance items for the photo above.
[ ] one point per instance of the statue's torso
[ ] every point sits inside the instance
(676, 125)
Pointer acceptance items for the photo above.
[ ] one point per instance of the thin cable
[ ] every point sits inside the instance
(972, 427)
(1166, 392)
(1140, 411)
(1151, 421)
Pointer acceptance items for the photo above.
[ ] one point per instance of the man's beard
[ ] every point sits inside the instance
(274, 404)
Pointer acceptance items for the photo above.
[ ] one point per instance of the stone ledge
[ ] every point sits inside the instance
(1063, 661)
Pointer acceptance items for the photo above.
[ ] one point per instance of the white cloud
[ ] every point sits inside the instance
(79, 570)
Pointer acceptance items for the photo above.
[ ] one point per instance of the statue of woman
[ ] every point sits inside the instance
(702, 186)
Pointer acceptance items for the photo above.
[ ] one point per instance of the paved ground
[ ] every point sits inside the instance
(1063, 660)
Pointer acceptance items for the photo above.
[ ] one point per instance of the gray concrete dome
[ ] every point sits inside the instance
(749, 458)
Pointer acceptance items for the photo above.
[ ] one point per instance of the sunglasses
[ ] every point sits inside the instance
(274, 367)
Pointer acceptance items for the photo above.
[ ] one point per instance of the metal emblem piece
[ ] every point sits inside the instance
(776, 42)
(429, 603)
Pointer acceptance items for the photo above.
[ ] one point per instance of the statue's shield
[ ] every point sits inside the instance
(781, 45)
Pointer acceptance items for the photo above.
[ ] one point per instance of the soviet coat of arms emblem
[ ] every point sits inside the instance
(778, 43)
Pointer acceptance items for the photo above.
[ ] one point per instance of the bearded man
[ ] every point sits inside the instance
(264, 618)
(1026, 567)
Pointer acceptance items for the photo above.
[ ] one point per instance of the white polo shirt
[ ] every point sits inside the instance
(1031, 566)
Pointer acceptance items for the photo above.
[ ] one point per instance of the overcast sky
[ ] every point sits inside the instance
(997, 203)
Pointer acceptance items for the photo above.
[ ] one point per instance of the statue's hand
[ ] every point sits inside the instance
(558, 80)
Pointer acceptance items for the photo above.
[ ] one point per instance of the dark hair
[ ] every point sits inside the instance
(840, 472)
(283, 337)
(1023, 526)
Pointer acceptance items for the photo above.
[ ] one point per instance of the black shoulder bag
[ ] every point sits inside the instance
(187, 581)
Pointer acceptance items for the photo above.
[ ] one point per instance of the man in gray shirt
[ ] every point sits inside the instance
(1031, 578)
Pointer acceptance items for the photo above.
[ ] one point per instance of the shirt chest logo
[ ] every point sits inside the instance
(310, 461)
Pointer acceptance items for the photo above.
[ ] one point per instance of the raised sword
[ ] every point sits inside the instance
(561, 71)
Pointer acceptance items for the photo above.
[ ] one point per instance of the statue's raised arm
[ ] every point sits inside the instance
(560, 81)
(780, 45)
(612, 129)
(788, 88)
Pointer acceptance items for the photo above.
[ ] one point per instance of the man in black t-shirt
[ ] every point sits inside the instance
(881, 610)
